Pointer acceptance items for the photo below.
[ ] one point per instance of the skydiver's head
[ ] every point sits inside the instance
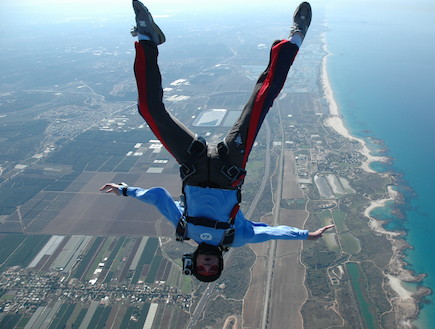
(208, 263)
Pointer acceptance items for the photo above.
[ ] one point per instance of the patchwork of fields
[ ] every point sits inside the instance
(89, 282)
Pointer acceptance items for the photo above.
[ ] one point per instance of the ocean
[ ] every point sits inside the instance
(382, 72)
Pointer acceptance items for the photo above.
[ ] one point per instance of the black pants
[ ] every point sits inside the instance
(234, 151)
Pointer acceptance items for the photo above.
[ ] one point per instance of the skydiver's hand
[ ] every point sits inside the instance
(111, 187)
(317, 234)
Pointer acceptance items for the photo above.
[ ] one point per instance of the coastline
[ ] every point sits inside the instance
(335, 121)
(404, 302)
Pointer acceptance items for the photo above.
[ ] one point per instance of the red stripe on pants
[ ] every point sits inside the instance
(140, 72)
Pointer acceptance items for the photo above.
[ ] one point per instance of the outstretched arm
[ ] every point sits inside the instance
(157, 196)
(266, 232)
(318, 233)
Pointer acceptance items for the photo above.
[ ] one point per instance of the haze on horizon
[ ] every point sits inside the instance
(411, 18)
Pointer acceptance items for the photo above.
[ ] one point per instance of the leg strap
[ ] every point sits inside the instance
(196, 149)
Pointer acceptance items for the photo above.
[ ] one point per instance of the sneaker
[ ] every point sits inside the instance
(301, 19)
(145, 24)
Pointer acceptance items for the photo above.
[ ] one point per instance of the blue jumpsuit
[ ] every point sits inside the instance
(203, 201)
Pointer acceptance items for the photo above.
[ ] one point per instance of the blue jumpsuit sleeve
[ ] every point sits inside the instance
(266, 232)
(161, 199)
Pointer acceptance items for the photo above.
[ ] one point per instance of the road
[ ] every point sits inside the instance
(275, 212)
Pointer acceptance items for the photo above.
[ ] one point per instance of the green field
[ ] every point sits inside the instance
(20, 249)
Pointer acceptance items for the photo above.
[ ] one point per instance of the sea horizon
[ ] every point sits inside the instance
(382, 87)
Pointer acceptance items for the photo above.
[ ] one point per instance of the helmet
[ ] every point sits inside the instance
(190, 262)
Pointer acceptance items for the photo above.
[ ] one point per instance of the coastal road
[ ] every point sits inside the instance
(275, 212)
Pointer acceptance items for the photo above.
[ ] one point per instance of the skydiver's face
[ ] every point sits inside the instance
(207, 264)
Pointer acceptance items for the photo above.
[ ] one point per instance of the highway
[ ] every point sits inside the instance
(275, 212)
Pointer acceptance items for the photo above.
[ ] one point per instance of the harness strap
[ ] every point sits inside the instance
(233, 173)
(228, 238)
(207, 222)
(181, 230)
(196, 149)
(187, 169)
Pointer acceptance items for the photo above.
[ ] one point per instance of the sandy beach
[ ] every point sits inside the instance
(335, 119)
(403, 302)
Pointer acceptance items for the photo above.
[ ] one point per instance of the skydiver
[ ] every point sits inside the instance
(212, 175)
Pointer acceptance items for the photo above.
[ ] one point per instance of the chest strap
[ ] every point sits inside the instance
(207, 222)
(227, 241)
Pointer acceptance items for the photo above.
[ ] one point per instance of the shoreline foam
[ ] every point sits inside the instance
(404, 302)
(335, 120)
